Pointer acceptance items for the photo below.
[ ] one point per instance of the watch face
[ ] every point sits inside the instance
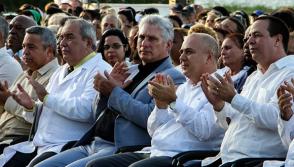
(172, 105)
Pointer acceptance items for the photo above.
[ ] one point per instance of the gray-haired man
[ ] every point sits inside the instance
(64, 107)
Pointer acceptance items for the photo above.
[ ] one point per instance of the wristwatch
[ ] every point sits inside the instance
(172, 105)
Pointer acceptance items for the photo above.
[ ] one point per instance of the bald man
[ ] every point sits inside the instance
(17, 27)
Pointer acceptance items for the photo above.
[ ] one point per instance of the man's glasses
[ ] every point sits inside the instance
(113, 46)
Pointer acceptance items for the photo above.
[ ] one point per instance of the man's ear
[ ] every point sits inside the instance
(169, 44)
(89, 42)
(209, 57)
(279, 40)
(49, 51)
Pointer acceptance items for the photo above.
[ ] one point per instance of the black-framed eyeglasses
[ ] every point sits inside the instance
(113, 46)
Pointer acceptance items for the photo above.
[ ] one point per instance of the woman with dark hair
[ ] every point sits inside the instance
(233, 58)
(233, 25)
(114, 46)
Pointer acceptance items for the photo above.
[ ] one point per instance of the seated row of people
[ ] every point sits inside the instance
(204, 113)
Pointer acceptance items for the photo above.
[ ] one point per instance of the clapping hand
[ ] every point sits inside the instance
(285, 94)
(4, 92)
(120, 72)
(22, 97)
(40, 89)
(106, 84)
(163, 90)
(225, 87)
(211, 91)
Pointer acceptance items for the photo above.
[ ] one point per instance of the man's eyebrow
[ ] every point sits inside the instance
(67, 34)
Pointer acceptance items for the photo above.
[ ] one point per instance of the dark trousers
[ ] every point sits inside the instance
(2, 146)
(131, 160)
(16, 139)
(24, 159)
(249, 162)
(20, 159)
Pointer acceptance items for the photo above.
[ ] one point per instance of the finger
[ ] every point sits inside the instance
(229, 78)
(107, 75)
(155, 84)
(15, 97)
(32, 81)
(170, 81)
(20, 88)
(204, 81)
(279, 92)
(285, 100)
(160, 78)
(212, 85)
(287, 106)
(220, 78)
(116, 65)
(127, 83)
(150, 88)
(214, 81)
(98, 76)
(289, 87)
(164, 79)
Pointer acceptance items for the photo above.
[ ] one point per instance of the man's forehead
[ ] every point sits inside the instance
(69, 28)
(32, 39)
(149, 30)
(189, 42)
(259, 25)
(20, 21)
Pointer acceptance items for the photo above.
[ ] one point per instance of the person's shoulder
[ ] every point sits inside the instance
(175, 74)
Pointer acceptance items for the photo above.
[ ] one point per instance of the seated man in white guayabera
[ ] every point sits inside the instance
(252, 134)
(64, 109)
(286, 124)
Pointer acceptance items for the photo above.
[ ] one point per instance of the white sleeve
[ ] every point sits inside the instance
(286, 130)
(78, 108)
(264, 115)
(157, 118)
(198, 120)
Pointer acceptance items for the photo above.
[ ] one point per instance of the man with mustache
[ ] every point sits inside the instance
(39, 47)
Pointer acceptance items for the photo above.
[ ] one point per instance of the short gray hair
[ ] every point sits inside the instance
(164, 25)
(47, 36)
(209, 42)
(4, 28)
(86, 29)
